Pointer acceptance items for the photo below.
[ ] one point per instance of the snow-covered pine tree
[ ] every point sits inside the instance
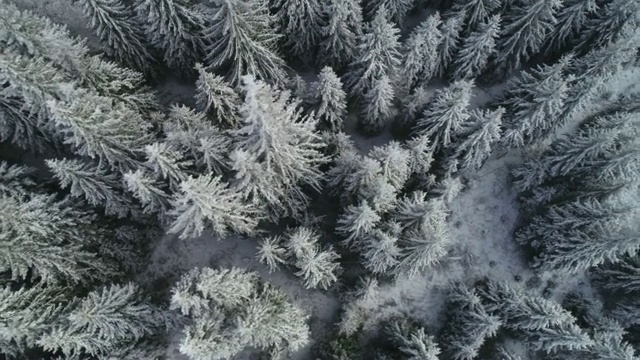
(206, 202)
(215, 96)
(103, 321)
(27, 85)
(191, 134)
(572, 18)
(380, 251)
(167, 163)
(276, 150)
(15, 179)
(609, 25)
(582, 214)
(317, 266)
(484, 131)
(242, 38)
(96, 185)
(96, 127)
(413, 340)
(120, 32)
(476, 11)
(414, 210)
(544, 322)
(330, 100)
(397, 9)
(451, 29)
(356, 222)
(468, 324)
(301, 23)
(525, 28)
(340, 33)
(49, 239)
(175, 27)
(395, 162)
(476, 49)
(444, 118)
(232, 310)
(149, 192)
(576, 250)
(272, 253)
(26, 314)
(594, 70)
(421, 53)
(30, 35)
(377, 102)
(377, 55)
(423, 247)
(421, 155)
(623, 276)
(534, 103)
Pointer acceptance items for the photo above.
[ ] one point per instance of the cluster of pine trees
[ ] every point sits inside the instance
(109, 167)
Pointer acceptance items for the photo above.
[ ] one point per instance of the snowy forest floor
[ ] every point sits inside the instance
(482, 221)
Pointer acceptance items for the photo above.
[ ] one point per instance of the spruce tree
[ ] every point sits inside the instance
(377, 55)
(103, 321)
(28, 84)
(476, 12)
(317, 266)
(468, 325)
(216, 97)
(50, 240)
(330, 100)
(15, 179)
(414, 210)
(421, 53)
(356, 222)
(195, 141)
(572, 18)
(377, 105)
(96, 185)
(120, 31)
(397, 9)
(623, 276)
(301, 22)
(272, 253)
(394, 160)
(443, 120)
(207, 203)
(231, 310)
(421, 156)
(611, 24)
(148, 191)
(423, 247)
(476, 49)
(484, 132)
(175, 27)
(275, 144)
(413, 341)
(242, 38)
(451, 29)
(534, 103)
(380, 251)
(166, 163)
(525, 27)
(340, 33)
(26, 315)
(593, 70)
(545, 323)
(95, 127)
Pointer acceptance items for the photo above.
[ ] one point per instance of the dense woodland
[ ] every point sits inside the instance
(264, 152)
